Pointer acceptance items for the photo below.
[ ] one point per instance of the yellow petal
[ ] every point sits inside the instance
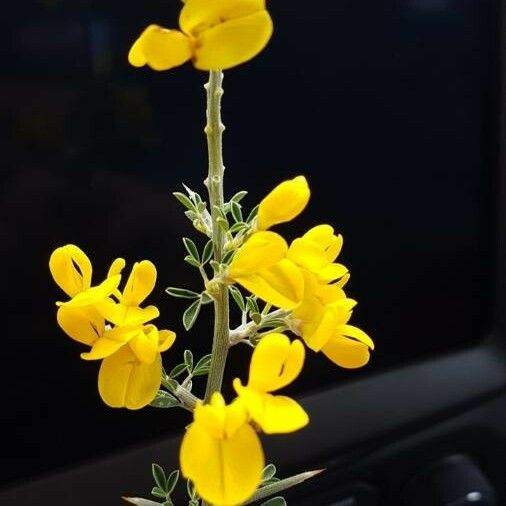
(346, 353)
(166, 339)
(283, 203)
(110, 342)
(140, 283)
(275, 362)
(307, 254)
(116, 267)
(84, 325)
(145, 344)
(233, 42)
(261, 251)
(331, 272)
(96, 294)
(226, 472)
(160, 48)
(199, 15)
(275, 414)
(317, 332)
(71, 269)
(122, 315)
(123, 381)
(355, 332)
(282, 285)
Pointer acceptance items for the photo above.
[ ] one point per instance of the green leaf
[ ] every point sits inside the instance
(192, 249)
(252, 215)
(181, 293)
(205, 298)
(235, 209)
(190, 488)
(268, 472)
(275, 501)
(189, 259)
(201, 206)
(202, 366)
(184, 200)
(168, 502)
(172, 481)
(236, 227)
(139, 501)
(256, 317)
(252, 305)
(169, 383)
(188, 359)
(270, 482)
(190, 315)
(159, 476)
(158, 492)
(223, 223)
(164, 400)
(227, 257)
(178, 370)
(207, 253)
(239, 196)
(237, 296)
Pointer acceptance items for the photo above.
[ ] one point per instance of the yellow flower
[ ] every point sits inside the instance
(215, 34)
(275, 363)
(131, 371)
(71, 269)
(221, 453)
(260, 266)
(322, 321)
(316, 251)
(283, 203)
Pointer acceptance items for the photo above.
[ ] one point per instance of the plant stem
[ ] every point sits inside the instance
(214, 131)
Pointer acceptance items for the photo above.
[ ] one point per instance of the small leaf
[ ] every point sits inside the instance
(207, 253)
(164, 400)
(191, 261)
(205, 298)
(159, 476)
(188, 359)
(168, 502)
(270, 482)
(169, 383)
(182, 293)
(139, 501)
(227, 257)
(158, 492)
(239, 196)
(252, 305)
(192, 249)
(184, 200)
(172, 481)
(275, 501)
(268, 472)
(201, 206)
(252, 215)
(191, 215)
(236, 227)
(223, 223)
(190, 315)
(235, 209)
(202, 366)
(190, 488)
(178, 370)
(237, 296)
(256, 317)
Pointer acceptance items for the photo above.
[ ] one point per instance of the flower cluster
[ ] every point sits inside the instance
(221, 452)
(303, 277)
(113, 324)
(215, 34)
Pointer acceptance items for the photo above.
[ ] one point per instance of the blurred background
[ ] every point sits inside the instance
(387, 106)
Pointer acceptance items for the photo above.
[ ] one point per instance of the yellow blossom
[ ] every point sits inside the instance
(322, 321)
(316, 251)
(283, 203)
(260, 266)
(275, 363)
(215, 35)
(130, 373)
(222, 454)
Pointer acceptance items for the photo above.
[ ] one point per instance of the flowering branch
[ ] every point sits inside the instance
(214, 182)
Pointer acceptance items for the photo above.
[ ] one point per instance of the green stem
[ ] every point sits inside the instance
(214, 131)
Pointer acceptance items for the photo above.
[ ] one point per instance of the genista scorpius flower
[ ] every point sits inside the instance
(130, 373)
(215, 34)
(275, 363)
(221, 453)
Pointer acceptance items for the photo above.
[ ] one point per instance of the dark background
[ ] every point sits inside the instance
(388, 107)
